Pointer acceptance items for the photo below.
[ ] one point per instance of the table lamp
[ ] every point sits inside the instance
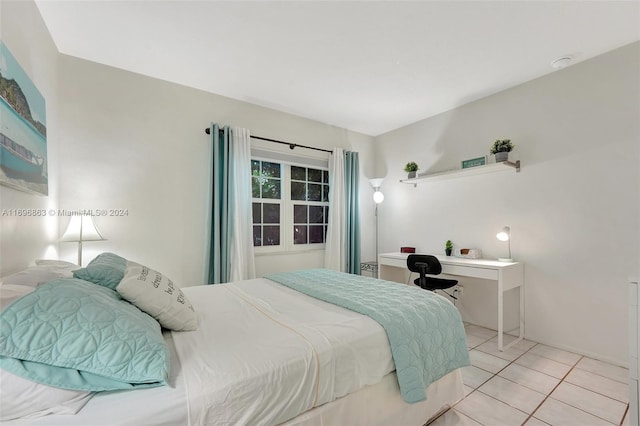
(505, 235)
(81, 228)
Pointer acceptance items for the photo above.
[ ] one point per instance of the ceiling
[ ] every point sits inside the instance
(366, 66)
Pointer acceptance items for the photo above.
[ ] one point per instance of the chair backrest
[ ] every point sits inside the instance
(424, 263)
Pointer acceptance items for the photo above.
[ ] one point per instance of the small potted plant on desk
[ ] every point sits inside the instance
(411, 168)
(501, 149)
(448, 247)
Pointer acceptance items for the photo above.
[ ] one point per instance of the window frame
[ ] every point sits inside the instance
(287, 210)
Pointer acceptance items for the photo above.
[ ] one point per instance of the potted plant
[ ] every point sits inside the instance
(501, 149)
(448, 247)
(411, 168)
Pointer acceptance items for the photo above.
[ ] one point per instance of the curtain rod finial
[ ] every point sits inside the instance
(207, 131)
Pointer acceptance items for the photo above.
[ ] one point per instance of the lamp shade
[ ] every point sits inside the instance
(376, 183)
(504, 234)
(81, 228)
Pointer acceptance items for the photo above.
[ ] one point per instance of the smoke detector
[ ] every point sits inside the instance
(561, 62)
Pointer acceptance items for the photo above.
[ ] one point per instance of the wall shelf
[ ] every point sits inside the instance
(471, 171)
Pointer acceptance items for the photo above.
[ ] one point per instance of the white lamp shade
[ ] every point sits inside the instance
(378, 197)
(376, 183)
(504, 234)
(81, 228)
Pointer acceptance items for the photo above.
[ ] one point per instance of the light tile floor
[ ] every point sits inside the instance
(535, 384)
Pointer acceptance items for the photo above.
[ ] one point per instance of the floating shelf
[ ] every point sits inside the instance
(471, 171)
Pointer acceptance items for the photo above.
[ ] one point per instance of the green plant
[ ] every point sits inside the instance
(448, 245)
(501, 145)
(411, 167)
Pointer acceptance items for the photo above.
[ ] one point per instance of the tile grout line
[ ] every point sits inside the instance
(562, 380)
(552, 390)
(577, 408)
(490, 378)
(624, 415)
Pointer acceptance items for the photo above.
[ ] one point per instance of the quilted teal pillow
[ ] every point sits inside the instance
(72, 334)
(107, 270)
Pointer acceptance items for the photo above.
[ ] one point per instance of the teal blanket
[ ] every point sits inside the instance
(425, 330)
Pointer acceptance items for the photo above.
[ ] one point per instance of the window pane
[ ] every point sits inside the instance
(298, 191)
(316, 214)
(325, 176)
(257, 213)
(255, 187)
(315, 192)
(326, 214)
(316, 234)
(271, 213)
(298, 173)
(271, 235)
(315, 175)
(271, 189)
(299, 214)
(299, 234)
(270, 169)
(325, 193)
(255, 167)
(257, 236)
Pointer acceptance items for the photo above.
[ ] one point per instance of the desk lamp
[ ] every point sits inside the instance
(505, 235)
(81, 228)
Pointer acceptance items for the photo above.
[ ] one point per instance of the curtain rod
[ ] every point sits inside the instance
(291, 144)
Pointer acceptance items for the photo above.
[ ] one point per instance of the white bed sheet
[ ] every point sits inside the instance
(260, 335)
(162, 406)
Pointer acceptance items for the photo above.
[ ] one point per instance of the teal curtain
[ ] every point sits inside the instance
(352, 222)
(221, 215)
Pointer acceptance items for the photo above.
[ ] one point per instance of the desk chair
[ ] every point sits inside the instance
(427, 264)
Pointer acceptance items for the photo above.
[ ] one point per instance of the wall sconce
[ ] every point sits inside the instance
(505, 235)
(81, 228)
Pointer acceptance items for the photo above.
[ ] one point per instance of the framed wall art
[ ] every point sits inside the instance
(23, 129)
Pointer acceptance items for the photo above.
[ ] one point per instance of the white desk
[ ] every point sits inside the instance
(507, 275)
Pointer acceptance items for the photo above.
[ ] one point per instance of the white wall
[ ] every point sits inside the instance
(573, 209)
(138, 143)
(24, 239)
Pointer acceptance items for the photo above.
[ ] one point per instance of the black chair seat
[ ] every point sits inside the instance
(431, 283)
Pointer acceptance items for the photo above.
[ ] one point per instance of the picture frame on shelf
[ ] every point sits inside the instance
(474, 162)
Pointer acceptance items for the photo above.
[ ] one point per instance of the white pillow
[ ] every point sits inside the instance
(45, 270)
(158, 296)
(56, 264)
(22, 398)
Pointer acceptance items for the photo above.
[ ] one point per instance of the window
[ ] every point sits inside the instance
(310, 196)
(266, 184)
(290, 205)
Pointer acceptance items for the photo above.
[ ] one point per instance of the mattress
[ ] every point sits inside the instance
(266, 354)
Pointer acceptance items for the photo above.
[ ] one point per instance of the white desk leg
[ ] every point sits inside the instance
(521, 334)
(500, 314)
(501, 345)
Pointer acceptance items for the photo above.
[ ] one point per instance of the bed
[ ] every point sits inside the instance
(265, 353)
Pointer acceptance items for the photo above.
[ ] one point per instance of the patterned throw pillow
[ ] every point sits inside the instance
(158, 296)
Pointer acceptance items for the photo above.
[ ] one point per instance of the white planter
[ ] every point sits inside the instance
(501, 156)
